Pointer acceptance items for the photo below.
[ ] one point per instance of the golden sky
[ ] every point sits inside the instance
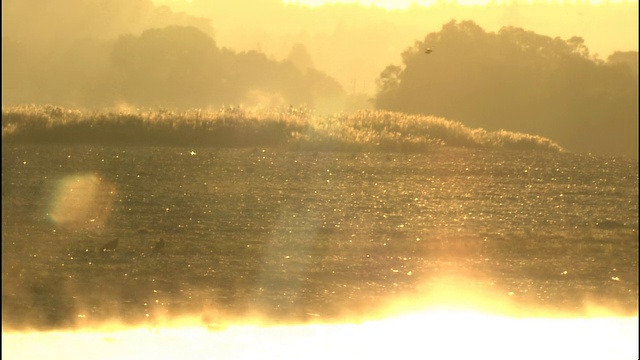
(387, 4)
(404, 4)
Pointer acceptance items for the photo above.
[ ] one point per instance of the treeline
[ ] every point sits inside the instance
(172, 67)
(353, 43)
(521, 81)
(350, 42)
(288, 128)
(134, 53)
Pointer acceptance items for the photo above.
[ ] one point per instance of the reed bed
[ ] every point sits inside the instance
(289, 128)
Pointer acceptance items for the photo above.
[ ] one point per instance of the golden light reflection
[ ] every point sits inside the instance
(81, 201)
(474, 326)
(440, 334)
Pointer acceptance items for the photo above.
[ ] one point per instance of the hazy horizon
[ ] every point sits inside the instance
(319, 178)
(338, 57)
(385, 33)
(352, 43)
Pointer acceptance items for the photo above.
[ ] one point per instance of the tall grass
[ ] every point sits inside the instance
(290, 128)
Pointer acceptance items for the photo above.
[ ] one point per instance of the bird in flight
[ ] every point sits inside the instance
(428, 51)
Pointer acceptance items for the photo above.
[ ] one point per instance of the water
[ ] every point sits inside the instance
(307, 235)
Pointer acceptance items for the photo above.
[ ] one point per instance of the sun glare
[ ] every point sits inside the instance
(471, 327)
(439, 334)
(405, 4)
(386, 4)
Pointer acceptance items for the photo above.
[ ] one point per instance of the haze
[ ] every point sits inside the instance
(442, 221)
(330, 58)
(353, 43)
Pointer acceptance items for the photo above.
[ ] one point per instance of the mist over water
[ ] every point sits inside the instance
(303, 236)
(302, 248)
(197, 179)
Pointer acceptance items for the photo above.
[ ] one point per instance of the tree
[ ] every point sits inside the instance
(300, 58)
(628, 58)
(517, 80)
(182, 67)
(174, 66)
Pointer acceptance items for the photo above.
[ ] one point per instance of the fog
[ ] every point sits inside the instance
(339, 57)
(353, 43)
(329, 180)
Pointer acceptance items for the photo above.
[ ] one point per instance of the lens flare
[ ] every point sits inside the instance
(81, 201)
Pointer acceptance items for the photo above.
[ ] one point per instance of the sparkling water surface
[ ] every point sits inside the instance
(298, 235)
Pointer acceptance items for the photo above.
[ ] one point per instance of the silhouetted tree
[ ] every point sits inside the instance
(300, 58)
(182, 67)
(254, 78)
(629, 58)
(174, 66)
(516, 80)
(59, 52)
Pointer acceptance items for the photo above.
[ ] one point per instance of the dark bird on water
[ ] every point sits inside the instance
(111, 245)
(159, 246)
(428, 51)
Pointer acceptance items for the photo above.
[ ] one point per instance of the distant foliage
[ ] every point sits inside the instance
(177, 67)
(290, 128)
(521, 81)
(628, 58)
